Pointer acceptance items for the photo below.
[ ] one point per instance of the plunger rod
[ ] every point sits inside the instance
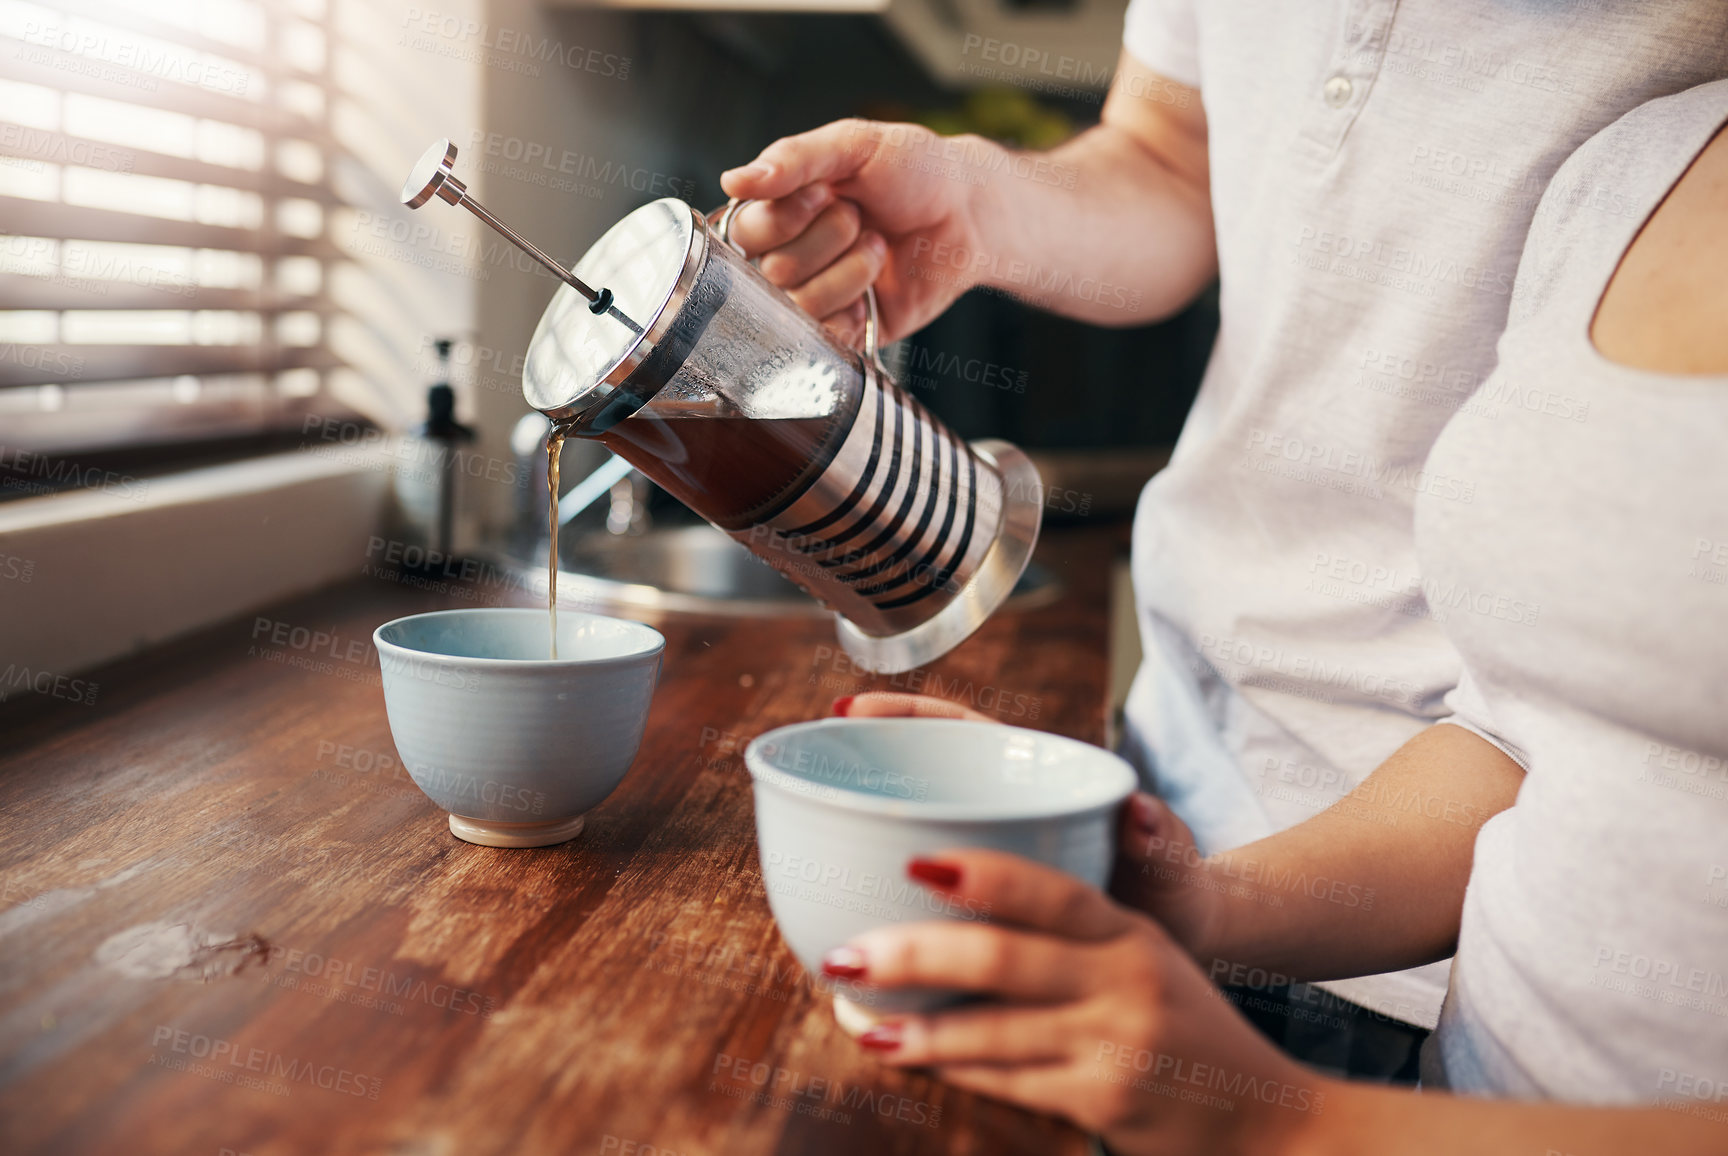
(432, 176)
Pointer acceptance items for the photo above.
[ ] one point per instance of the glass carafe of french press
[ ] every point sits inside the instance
(688, 363)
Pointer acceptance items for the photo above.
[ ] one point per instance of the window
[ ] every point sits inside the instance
(179, 182)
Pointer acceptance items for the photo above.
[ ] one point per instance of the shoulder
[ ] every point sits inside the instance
(1666, 305)
(1163, 35)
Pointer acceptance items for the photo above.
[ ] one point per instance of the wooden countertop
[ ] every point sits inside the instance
(230, 923)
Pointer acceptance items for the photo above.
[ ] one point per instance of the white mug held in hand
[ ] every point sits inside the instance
(843, 805)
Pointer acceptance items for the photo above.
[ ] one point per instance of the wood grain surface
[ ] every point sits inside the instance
(229, 921)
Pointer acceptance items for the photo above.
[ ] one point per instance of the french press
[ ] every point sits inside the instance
(689, 364)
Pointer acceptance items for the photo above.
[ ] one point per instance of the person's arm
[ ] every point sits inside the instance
(1114, 227)
(1138, 216)
(1364, 1120)
(1374, 883)
(1098, 1016)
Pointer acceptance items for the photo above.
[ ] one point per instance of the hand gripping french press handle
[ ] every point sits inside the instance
(872, 318)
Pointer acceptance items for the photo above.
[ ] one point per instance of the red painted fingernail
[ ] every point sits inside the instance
(844, 963)
(843, 704)
(881, 1038)
(934, 872)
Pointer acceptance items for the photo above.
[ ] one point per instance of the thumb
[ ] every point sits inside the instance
(832, 152)
(1159, 869)
(1152, 834)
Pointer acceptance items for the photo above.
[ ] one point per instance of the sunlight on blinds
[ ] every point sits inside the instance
(177, 205)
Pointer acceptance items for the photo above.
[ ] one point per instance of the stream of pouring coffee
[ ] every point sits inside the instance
(432, 177)
(554, 450)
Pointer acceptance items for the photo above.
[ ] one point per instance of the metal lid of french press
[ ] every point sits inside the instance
(590, 362)
(585, 367)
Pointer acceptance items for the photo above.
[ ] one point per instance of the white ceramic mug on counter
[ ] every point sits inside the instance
(843, 805)
(515, 745)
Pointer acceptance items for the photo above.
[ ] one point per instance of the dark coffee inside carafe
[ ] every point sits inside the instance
(734, 470)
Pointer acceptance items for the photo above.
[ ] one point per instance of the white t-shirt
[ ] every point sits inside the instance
(1593, 957)
(1375, 166)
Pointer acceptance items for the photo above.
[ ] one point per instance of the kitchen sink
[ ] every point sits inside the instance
(696, 570)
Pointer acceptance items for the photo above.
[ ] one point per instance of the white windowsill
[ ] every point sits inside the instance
(111, 573)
